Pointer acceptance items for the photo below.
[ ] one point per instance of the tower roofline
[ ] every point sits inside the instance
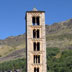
(34, 11)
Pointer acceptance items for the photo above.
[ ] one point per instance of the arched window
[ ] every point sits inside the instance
(35, 20)
(36, 69)
(38, 21)
(34, 46)
(38, 33)
(34, 33)
(36, 59)
(38, 46)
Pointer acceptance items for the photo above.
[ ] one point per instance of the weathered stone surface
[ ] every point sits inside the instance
(30, 40)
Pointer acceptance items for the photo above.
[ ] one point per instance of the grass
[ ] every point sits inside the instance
(5, 49)
(60, 37)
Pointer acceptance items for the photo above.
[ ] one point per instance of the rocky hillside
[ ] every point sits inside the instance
(12, 48)
(57, 35)
(60, 35)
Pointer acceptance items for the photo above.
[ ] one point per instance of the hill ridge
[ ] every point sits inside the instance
(57, 35)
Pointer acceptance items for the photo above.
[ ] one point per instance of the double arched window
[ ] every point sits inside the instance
(36, 59)
(36, 69)
(36, 33)
(36, 46)
(35, 21)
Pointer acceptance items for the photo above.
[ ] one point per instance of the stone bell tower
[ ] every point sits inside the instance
(35, 41)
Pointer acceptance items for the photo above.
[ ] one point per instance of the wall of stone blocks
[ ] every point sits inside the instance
(30, 40)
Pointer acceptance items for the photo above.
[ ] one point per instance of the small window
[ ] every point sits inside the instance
(36, 59)
(38, 33)
(34, 33)
(38, 46)
(35, 20)
(34, 46)
(36, 69)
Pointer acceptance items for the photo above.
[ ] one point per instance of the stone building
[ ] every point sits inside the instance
(35, 41)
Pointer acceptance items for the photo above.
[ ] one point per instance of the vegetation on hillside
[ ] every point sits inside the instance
(13, 65)
(57, 61)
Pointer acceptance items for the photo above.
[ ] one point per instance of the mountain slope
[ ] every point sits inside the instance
(60, 35)
(57, 35)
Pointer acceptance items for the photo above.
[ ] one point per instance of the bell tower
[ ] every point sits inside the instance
(35, 41)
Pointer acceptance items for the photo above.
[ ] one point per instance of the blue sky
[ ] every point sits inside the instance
(12, 14)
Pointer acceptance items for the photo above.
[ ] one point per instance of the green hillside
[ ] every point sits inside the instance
(57, 61)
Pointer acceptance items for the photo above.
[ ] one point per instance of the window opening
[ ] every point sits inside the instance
(38, 46)
(34, 33)
(39, 59)
(36, 58)
(35, 20)
(38, 35)
(36, 69)
(34, 46)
